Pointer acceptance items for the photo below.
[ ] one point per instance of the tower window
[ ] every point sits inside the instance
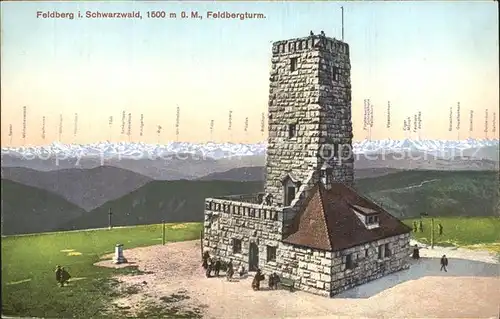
(293, 64)
(327, 152)
(336, 150)
(292, 130)
(289, 195)
(335, 73)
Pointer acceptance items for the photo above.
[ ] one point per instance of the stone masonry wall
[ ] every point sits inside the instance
(324, 273)
(318, 272)
(368, 266)
(251, 223)
(225, 220)
(335, 114)
(313, 100)
(309, 268)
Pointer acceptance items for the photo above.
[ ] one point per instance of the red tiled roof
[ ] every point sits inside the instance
(328, 221)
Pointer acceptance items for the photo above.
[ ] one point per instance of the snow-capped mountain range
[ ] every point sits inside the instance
(222, 150)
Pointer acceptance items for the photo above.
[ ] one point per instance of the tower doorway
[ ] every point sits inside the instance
(253, 257)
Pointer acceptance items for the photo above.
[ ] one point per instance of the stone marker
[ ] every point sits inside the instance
(119, 259)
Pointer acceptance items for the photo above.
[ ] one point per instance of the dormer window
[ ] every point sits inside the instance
(372, 220)
(369, 217)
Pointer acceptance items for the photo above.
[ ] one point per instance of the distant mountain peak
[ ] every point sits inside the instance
(139, 150)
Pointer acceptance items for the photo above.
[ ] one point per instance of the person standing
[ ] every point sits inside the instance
(257, 279)
(210, 267)
(217, 267)
(416, 252)
(421, 226)
(414, 226)
(274, 280)
(241, 270)
(230, 270)
(440, 229)
(205, 258)
(444, 263)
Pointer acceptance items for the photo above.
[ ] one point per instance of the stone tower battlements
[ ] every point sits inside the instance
(318, 42)
(310, 126)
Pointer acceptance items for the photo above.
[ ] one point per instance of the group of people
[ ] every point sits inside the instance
(273, 280)
(420, 227)
(62, 275)
(214, 265)
(444, 259)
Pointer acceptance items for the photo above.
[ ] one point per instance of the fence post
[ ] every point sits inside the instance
(432, 233)
(110, 225)
(163, 232)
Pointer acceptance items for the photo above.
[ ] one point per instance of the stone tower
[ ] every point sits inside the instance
(310, 128)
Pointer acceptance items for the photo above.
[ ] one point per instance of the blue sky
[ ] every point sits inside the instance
(419, 55)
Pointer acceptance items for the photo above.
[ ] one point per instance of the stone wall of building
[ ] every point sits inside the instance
(368, 265)
(335, 99)
(314, 100)
(309, 268)
(226, 220)
(324, 273)
(318, 272)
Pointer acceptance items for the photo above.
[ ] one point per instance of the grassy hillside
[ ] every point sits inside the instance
(28, 262)
(242, 174)
(172, 201)
(258, 173)
(406, 194)
(28, 209)
(87, 188)
(439, 193)
(468, 232)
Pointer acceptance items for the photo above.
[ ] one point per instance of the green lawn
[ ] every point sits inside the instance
(469, 232)
(28, 262)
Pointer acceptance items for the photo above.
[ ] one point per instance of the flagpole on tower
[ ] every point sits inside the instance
(342, 10)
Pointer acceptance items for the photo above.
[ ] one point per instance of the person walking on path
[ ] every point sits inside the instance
(444, 263)
(416, 252)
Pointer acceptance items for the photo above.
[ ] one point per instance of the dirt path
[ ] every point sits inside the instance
(468, 289)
